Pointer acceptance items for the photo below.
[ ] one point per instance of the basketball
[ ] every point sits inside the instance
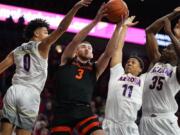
(116, 9)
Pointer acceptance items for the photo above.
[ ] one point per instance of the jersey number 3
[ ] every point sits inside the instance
(27, 62)
(80, 73)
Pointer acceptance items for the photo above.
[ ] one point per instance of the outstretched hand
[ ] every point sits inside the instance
(84, 3)
(129, 21)
(177, 10)
(167, 26)
(102, 12)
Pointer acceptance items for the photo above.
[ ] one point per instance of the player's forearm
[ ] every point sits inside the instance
(176, 43)
(113, 42)
(121, 37)
(69, 51)
(64, 24)
(6, 63)
(158, 24)
(84, 32)
(2, 68)
(152, 47)
(46, 44)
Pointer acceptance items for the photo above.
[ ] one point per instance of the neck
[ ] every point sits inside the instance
(82, 61)
(35, 39)
(131, 73)
(173, 63)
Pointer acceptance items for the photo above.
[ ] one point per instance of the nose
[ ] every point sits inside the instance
(129, 64)
(86, 49)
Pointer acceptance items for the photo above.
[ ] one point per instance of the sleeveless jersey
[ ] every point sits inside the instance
(75, 82)
(31, 68)
(160, 88)
(124, 95)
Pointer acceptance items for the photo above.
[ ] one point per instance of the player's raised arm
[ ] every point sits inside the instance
(117, 55)
(103, 60)
(70, 49)
(7, 62)
(152, 46)
(114, 47)
(64, 24)
(151, 31)
(174, 38)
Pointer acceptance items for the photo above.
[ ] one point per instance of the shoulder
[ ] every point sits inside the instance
(117, 67)
(69, 61)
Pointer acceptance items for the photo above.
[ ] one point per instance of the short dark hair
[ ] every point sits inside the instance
(141, 62)
(32, 26)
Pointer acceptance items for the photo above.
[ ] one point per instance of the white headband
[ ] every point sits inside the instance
(87, 44)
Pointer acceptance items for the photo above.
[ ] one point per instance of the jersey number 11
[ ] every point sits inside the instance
(127, 90)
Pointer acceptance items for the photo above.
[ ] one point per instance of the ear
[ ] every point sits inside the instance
(75, 52)
(140, 70)
(36, 33)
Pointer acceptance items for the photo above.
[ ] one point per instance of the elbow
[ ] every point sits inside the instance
(148, 30)
(108, 54)
(62, 29)
(151, 29)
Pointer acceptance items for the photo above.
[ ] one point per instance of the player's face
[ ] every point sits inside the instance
(133, 66)
(177, 29)
(84, 51)
(169, 54)
(41, 33)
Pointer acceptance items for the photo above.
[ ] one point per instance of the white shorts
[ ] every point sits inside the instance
(158, 125)
(126, 128)
(21, 106)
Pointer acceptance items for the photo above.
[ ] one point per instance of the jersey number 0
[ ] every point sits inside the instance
(27, 62)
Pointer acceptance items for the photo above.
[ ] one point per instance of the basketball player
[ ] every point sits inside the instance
(125, 90)
(21, 102)
(162, 82)
(75, 82)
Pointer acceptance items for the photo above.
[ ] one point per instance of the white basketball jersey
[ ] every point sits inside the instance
(160, 87)
(31, 68)
(124, 95)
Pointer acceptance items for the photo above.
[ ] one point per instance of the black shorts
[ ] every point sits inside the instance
(79, 116)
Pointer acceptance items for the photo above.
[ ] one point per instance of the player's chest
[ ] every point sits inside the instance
(127, 89)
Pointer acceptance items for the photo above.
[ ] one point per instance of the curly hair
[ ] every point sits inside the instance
(32, 26)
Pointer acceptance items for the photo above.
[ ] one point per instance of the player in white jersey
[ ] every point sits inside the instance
(21, 102)
(162, 81)
(125, 90)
